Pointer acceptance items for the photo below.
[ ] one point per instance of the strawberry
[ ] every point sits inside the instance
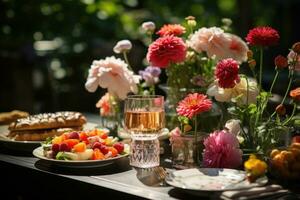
(119, 146)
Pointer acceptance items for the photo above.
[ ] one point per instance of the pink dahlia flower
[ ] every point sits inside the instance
(166, 50)
(222, 150)
(171, 29)
(193, 104)
(227, 73)
(262, 36)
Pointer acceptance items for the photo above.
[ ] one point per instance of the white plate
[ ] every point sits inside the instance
(39, 153)
(211, 179)
(26, 146)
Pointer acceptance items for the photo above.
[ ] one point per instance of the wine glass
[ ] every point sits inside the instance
(144, 120)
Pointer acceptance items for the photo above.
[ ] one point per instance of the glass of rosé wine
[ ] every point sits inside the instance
(144, 120)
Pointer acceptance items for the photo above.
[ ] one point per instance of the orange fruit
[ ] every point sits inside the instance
(114, 151)
(97, 155)
(83, 136)
(71, 142)
(80, 147)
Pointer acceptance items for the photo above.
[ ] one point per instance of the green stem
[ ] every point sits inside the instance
(261, 52)
(126, 59)
(292, 115)
(196, 139)
(274, 80)
(247, 89)
(286, 93)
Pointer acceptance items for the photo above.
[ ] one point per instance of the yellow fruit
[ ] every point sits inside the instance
(274, 152)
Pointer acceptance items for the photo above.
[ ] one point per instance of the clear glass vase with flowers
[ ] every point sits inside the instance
(186, 139)
(260, 129)
(189, 54)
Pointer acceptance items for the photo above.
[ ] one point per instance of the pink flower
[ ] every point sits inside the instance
(112, 73)
(105, 105)
(294, 60)
(222, 150)
(215, 42)
(227, 73)
(262, 36)
(166, 50)
(193, 104)
(171, 29)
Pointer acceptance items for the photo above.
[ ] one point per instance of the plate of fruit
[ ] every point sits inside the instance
(82, 149)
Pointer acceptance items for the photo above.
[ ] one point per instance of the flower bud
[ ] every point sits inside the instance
(226, 21)
(233, 126)
(281, 62)
(252, 63)
(191, 21)
(280, 109)
(296, 47)
(249, 54)
(148, 27)
(123, 45)
(295, 94)
(187, 128)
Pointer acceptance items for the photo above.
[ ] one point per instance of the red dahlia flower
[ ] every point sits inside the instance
(193, 104)
(262, 36)
(227, 73)
(281, 62)
(166, 50)
(171, 29)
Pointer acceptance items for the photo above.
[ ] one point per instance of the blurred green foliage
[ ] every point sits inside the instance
(82, 30)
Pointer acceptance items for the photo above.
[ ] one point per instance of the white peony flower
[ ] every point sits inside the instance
(112, 73)
(122, 45)
(215, 42)
(236, 94)
(233, 126)
(148, 26)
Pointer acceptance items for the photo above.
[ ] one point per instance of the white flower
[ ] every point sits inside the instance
(236, 94)
(122, 45)
(233, 126)
(148, 26)
(112, 73)
(215, 42)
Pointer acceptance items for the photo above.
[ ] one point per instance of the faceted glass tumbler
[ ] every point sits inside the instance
(144, 153)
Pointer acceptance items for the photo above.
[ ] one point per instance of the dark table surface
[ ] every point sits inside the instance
(26, 177)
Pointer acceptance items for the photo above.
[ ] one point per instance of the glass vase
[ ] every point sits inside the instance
(187, 151)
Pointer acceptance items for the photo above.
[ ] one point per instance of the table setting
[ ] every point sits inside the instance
(223, 140)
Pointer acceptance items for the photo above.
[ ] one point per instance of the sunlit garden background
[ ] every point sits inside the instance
(46, 47)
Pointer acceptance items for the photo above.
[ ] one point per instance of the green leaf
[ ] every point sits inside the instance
(62, 156)
(252, 109)
(183, 120)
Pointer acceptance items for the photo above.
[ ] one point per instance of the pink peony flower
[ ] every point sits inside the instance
(112, 73)
(262, 36)
(171, 29)
(293, 57)
(193, 104)
(227, 73)
(166, 50)
(222, 150)
(215, 42)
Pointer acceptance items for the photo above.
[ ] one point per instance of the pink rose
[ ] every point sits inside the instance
(217, 43)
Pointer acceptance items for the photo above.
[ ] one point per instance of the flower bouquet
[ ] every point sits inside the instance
(259, 129)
